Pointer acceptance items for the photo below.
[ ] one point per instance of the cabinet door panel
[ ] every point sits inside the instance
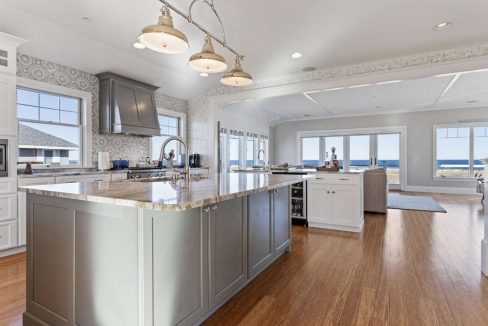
(281, 219)
(228, 249)
(343, 205)
(318, 203)
(180, 266)
(260, 232)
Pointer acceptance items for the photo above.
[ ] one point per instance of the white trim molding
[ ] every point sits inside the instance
(86, 112)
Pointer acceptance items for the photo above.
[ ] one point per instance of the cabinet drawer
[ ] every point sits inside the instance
(35, 181)
(84, 178)
(8, 207)
(8, 235)
(336, 179)
(8, 186)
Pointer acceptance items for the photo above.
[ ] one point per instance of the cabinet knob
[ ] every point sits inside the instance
(206, 210)
(328, 191)
(333, 192)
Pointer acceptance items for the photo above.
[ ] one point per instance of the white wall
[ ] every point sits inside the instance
(419, 138)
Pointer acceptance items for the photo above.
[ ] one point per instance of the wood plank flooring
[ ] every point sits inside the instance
(406, 268)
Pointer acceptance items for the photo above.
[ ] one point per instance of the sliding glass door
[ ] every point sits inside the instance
(388, 156)
(360, 153)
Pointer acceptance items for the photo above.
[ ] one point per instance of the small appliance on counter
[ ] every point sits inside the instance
(103, 161)
(120, 164)
(195, 160)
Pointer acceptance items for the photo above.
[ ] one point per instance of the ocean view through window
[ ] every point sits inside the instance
(459, 150)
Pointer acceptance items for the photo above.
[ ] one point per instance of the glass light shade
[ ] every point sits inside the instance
(163, 37)
(236, 77)
(207, 61)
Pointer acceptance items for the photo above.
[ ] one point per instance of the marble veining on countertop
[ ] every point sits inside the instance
(48, 173)
(165, 195)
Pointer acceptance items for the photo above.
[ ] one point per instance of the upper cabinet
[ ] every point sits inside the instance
(8, 80)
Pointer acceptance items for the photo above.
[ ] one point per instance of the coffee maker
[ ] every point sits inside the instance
(195, 160)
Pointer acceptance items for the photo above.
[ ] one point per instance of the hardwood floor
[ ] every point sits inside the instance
(408, 268)
(12, 290)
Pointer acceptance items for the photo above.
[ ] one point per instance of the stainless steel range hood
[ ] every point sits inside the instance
(127, 106)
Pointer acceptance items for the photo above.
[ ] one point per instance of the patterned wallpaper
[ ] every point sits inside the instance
(119, 146)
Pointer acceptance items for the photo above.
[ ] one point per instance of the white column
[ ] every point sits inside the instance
(484, 242)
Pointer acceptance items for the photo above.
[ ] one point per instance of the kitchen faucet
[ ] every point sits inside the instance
(162, 154)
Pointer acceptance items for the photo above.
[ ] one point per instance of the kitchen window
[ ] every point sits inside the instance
(171, 124)
(50, 128)
(459, 150)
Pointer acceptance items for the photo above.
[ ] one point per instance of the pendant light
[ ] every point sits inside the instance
(207, 61)
(163, 37)
(236, 77)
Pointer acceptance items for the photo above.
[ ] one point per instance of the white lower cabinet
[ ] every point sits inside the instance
(8, 234)
(335, 202)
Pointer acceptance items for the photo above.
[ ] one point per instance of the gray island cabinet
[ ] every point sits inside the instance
(150, 253)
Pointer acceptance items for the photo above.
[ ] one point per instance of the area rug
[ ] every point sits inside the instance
(414, 203)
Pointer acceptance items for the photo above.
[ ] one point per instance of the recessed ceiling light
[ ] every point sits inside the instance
(441, 26)
(472, 101)
(87, 19)
(203, 74)
(296, 55)
(138, 45)
(309, 69)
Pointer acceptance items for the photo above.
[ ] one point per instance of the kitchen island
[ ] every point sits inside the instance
(150, 253)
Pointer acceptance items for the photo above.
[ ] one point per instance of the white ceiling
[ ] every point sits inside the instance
(451, 91)
(328, 33)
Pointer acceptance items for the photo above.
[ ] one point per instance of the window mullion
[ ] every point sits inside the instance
(471, 151)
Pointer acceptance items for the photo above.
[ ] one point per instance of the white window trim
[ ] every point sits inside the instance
(470, 125)
(182, 126)
(86, 117)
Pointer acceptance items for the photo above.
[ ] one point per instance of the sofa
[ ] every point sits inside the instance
(375, 191)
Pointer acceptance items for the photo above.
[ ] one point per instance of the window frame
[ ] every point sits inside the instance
(471, 127)
(181, 129)
(85, 123)
(225, 133)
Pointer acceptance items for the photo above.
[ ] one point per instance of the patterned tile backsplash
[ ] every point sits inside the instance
(118, 146)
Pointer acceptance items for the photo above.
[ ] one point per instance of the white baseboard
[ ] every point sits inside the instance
(443, 190)
(12, 251)
(355, 229)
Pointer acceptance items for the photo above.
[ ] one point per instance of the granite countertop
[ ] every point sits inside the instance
(48, 173)
(168, 196)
